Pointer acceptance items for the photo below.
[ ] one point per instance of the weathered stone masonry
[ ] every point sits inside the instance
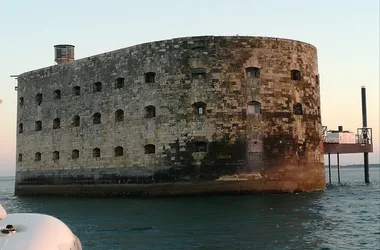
(182, 116)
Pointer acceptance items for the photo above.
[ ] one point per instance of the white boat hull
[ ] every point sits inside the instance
(36, 232)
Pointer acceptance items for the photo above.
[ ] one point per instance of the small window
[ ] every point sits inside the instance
(97, 87)
(55, 155)
(198, 73)
(254, 108)
(38, 126)
(119, 115)
(96, 153)
(39, 99)
(119, 151)
(252, 72)
(75, 122)
(200, 46)
(295, 75)
(201, 146)
(119, 83)
(97, 118)
(19, 158)
(21, 128)
(318, 111)
(37, 156)
(199, 108)
(150, 77)
(76, 90)
(57, 94)
(317, 79)
(150, 149)
(150, 111)
(56, 123)
(297, 109)
(75, 154)
(21, 101)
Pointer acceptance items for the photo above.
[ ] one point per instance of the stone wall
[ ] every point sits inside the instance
(215, 109)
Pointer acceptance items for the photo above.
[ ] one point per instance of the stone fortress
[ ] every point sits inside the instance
(194, 115)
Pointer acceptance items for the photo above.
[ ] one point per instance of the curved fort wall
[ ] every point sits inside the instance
(187, 115)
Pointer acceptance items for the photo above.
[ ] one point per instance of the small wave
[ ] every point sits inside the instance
(141, 229)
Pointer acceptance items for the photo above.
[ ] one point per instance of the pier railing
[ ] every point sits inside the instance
(364, 136)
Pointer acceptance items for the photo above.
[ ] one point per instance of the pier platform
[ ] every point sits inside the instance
(346, 142)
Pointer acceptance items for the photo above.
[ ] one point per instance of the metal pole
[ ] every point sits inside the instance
(337, 158)
(364, 107)
(364, 118)
(329, 169)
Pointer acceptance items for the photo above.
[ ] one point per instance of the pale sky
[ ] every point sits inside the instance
(345, 32)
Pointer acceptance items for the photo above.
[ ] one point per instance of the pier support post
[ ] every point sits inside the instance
(364, 118)
(329, 169)
(366, 168)
(337, 159)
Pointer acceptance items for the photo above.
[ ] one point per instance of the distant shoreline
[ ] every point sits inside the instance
(355, 166)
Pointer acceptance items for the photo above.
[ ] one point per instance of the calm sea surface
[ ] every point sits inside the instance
(345, 216)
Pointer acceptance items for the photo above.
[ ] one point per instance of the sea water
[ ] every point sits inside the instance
(345, 216)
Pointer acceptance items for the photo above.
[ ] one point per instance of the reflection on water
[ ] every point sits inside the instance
(344, 216)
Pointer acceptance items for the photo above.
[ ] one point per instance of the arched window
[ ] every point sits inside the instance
(198, 73)
(39, 99)
(119, 83)
(37, 156)
(19, 158)
(200, 146)
(199, 108)
(254, 108)
(56, 123)
(97, 118)
(150, 77)
(295, 75)
(21, 102)
(317, 79)
(252, 72)
(199, 45)
(97, 87)
(318, 111)
(55, 155)
(119, 115)
(57, 94)
(118, 151)
(150, 111)
(21, 128)
(297, 109)
(75, 154)
(76, 90)
(150, 149)
(96, 153)
(75, 122)
(38, 126)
